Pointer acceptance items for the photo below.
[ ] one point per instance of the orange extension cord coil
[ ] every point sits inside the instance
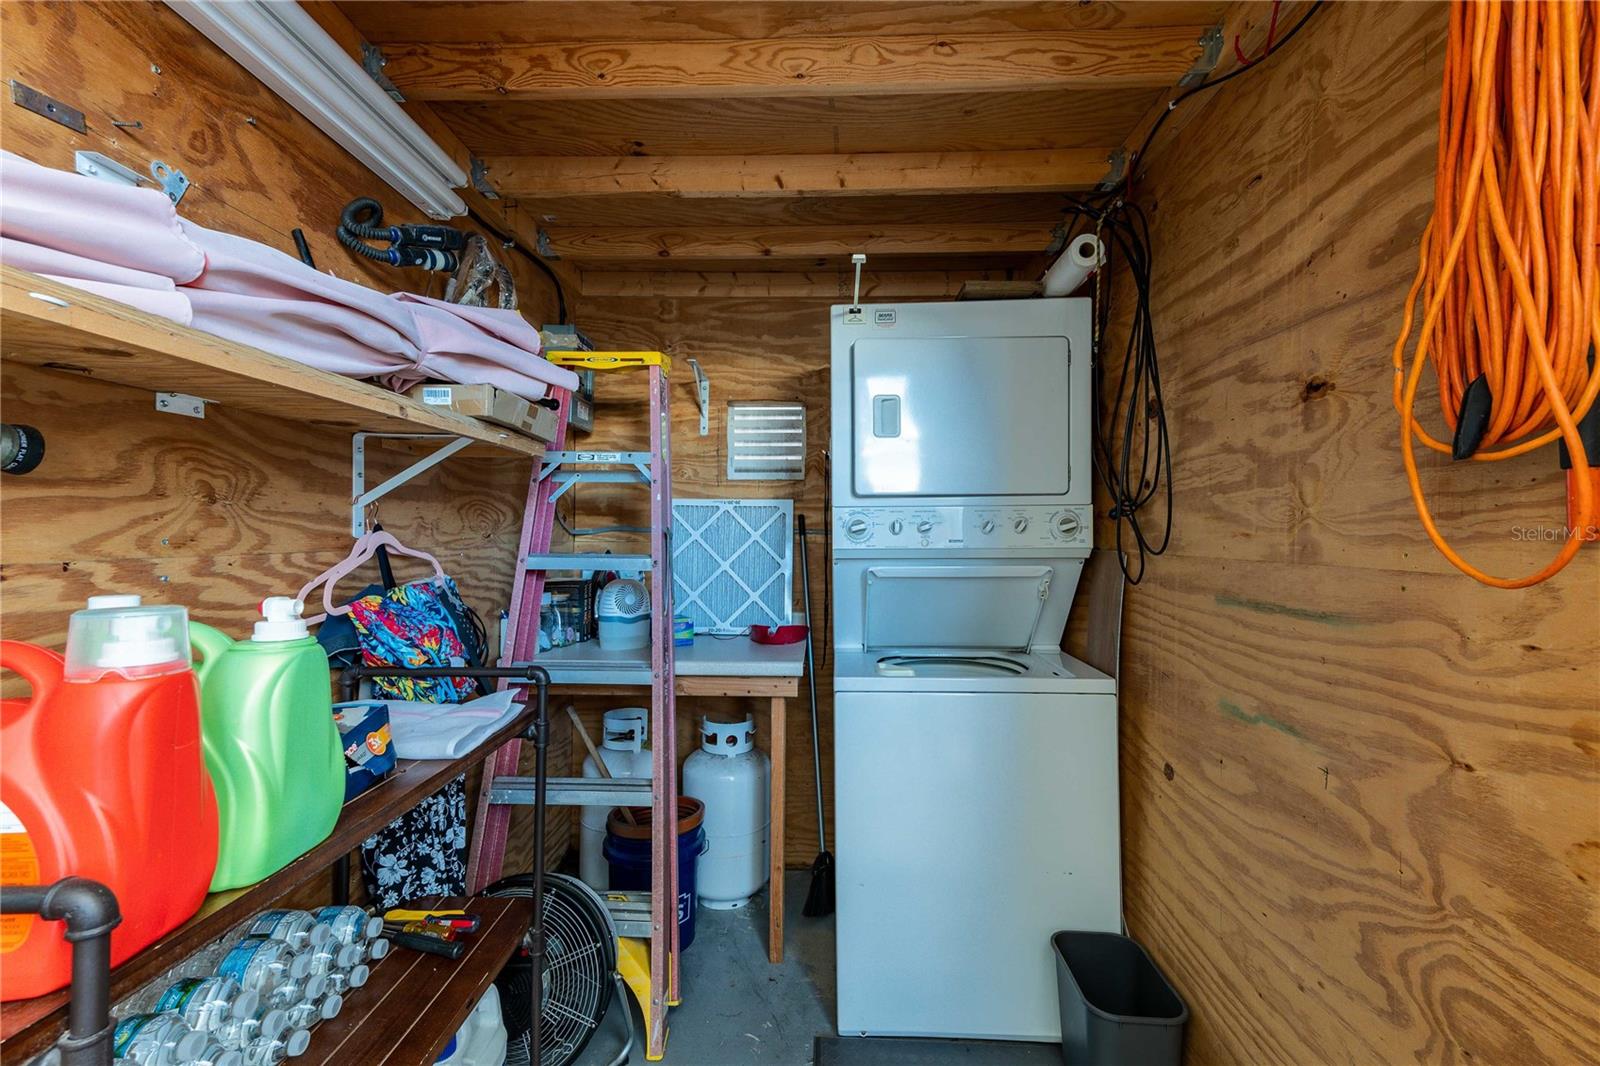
(1507, 267)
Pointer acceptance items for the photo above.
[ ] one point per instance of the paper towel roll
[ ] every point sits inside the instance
(1081, 258)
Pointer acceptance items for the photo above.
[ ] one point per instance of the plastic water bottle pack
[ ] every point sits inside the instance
(251, 998)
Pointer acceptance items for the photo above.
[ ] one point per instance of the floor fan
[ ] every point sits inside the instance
(579, 978)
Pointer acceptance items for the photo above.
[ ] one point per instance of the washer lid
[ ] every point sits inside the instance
(974, 670)
(950, 664)
(955, 605)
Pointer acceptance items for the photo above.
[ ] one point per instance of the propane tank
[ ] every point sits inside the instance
(734, 781)
(622, 747)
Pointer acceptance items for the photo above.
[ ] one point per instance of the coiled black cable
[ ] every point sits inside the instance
(361, 221)
(1132, 448)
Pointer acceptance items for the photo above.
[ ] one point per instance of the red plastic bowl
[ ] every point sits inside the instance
(777, 634)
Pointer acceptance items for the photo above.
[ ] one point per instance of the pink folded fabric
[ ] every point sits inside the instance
(169, 303)
(100, 220)
(457, 348)
(55, 263)
(259, 296)
(138, 288)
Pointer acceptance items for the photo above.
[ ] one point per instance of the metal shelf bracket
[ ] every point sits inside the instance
(362, 497)
(702, 389)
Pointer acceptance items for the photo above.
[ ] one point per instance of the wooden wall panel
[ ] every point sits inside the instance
(217, 513)
(751, 349)
(1361, 794)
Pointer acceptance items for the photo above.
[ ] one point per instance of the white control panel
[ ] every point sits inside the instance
(963, 527)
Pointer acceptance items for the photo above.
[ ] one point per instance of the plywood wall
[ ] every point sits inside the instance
(1361, 794)
(217, 513)
(752, 349)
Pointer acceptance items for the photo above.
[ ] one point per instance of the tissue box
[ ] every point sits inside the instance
(368, 747)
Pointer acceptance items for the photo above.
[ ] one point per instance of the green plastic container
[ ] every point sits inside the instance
(266, 713)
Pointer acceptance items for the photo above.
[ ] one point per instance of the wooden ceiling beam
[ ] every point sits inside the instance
(625, 243)
(815, 284)
(1142, 57)
(758, 177)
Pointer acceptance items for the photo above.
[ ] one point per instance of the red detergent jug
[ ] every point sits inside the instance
(103, 777)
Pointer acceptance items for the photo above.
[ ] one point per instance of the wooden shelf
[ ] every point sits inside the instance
(414, 1002)
(29, 1026)
(77, 332)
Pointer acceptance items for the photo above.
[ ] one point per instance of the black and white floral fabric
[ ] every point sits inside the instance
(421, 853)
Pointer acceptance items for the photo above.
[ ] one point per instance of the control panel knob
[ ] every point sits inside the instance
(987, 525)
(1067, 525)
(924, 527)
(856, 527)
(896, 527)
(1019, 526)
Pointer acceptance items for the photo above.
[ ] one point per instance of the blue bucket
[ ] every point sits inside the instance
(627, 852)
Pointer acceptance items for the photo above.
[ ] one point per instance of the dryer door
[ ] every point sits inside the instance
(961, 416)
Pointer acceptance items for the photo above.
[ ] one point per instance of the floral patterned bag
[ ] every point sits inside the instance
(423, 852)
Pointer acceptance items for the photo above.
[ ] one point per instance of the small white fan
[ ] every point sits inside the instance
(623, 609)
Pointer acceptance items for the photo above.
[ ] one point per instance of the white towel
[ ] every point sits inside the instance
(447, 730)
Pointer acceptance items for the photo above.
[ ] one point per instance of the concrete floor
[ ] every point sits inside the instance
(737, 1007)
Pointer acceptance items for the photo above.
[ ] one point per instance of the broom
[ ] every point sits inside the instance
(819, 900)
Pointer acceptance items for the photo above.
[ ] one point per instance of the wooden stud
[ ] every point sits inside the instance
(825, 284)
(1130, 58)
(1047, 170)
(665, 20)
(749, 242)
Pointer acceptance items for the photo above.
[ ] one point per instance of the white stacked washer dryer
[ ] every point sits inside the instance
(975, 764)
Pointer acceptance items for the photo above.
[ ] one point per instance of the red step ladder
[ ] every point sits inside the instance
(502, 788)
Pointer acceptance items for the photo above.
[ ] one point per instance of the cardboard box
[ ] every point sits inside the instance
(492, 405)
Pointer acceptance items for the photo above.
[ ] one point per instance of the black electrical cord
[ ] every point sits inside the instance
(511, 242)
(1132, 447)
(1210, 83)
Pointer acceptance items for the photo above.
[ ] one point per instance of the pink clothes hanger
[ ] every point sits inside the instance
(363, 550)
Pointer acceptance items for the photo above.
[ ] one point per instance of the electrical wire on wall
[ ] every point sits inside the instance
(511, 244)
(1507, 270)
(1132, 446)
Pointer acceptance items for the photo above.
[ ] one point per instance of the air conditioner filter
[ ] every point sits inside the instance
(732, 563)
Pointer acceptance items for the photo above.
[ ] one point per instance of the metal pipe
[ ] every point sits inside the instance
(90, 912)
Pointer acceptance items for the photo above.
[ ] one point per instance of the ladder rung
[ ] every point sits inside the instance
(575, 791)
(630, 913)
(596, 458)
(567, 561)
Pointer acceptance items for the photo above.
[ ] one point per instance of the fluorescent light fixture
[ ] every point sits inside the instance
(285, 48)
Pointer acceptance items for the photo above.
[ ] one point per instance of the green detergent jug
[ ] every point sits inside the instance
(266, 713)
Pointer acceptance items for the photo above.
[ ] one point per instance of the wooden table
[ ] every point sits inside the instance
(414, 1003)
(736, 667)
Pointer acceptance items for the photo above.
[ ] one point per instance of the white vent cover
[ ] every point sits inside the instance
(766, 441)
(732, 563)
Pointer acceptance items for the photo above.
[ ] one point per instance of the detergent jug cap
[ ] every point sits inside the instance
(727, 738)
(108, 602)
(126, 639)
(280, 620)
(625, 728)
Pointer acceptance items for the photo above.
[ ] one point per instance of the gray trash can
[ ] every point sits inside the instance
(1117, 1008)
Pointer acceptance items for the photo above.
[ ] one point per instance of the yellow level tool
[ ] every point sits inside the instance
(611, 360)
